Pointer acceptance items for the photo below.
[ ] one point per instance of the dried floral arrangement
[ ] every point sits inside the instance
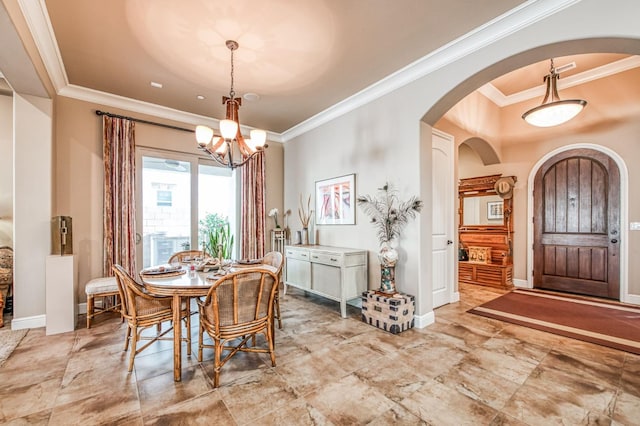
(305, 215)
(388, 213)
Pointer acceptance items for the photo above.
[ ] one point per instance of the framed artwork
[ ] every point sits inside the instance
(335, 201)
(494, 210)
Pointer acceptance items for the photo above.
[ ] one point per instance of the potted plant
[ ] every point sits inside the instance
(390, 216)
(274, 214)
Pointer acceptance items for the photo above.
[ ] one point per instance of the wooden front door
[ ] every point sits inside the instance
(577, 224)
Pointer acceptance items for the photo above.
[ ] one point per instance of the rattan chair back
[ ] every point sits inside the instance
(186, 255)
(239, 305)
(275, 259)
(142, 310)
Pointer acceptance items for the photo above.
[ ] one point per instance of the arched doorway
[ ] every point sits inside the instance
(592, 254)
(576, 224)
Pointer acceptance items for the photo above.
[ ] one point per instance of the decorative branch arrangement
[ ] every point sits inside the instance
(305, 216)
(388, 213)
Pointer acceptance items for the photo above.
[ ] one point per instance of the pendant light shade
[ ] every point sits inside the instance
(553, 111)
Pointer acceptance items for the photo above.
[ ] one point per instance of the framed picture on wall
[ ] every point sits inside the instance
(335, 201)
(494, 210)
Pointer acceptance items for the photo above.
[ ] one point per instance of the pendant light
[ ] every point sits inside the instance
(230, 141)
(553, 111)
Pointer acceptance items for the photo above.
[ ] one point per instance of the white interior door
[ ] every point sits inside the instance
(442, 218)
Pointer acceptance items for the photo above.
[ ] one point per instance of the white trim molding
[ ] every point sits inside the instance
(37, 321)
(517, 282)
(421, 321)
(624, 215)
(500, 99)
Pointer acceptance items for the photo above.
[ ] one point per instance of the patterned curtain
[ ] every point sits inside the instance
(119, 202)
(252, 228)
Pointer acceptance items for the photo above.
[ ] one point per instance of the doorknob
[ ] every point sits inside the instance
(449, 242)
(613, 241)
(138, 238)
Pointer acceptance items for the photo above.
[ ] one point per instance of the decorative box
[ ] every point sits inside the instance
(392, 313)
(480, 254)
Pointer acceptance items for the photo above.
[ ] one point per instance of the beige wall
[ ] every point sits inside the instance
(6, 171)
(79, 182)
(382, 140)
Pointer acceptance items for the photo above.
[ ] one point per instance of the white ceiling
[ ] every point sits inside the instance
(301, 57)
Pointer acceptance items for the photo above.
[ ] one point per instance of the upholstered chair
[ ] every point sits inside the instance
(105, 289)
(6, 278)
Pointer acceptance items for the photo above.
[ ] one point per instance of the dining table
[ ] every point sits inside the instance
(185, 283)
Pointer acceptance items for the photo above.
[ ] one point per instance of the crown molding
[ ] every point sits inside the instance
(37, 17)
(512, 21)
(141, 107)
(520, 17)
(500, 99)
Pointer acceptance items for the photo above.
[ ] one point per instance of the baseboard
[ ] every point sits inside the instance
(521, 283)
(29, 322)
(82, 308)
(421, 321)
(455, 297)
(632, 298)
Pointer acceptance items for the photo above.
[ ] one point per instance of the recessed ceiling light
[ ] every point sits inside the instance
(251, 96)
(200, 97)
(158, 85)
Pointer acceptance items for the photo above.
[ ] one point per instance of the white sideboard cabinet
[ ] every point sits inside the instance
(336, 273)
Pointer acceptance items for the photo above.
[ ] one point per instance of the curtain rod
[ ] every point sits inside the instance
(138, 120)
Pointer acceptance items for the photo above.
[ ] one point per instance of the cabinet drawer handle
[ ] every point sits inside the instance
(333, 260)
(315, 257)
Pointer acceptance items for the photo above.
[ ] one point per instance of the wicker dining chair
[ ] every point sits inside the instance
(142, 310)
(183, 257)
(186, 255)
(275, 259)
(238, 307)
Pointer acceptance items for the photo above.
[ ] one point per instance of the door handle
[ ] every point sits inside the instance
(138, 238)
(613, 241)
(449, 242)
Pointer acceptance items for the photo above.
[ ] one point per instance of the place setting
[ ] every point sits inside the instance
(164, 270)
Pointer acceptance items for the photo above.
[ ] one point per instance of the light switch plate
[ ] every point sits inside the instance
(634, 226)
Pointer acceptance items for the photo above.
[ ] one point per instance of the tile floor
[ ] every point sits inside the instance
(464, 369)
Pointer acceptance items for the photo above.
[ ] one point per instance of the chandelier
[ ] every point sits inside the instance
(553, 111)
(230, 142)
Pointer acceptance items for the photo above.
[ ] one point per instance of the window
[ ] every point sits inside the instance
(163, 198)
(174, 193)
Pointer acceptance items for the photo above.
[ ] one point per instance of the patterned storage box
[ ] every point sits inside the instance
(390, 313)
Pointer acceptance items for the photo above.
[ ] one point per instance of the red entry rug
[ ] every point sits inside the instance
(607, 324)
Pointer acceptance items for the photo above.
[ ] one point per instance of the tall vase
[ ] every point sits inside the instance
(305, 236)
(311, 231)
(388, 257)
(388, 279)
